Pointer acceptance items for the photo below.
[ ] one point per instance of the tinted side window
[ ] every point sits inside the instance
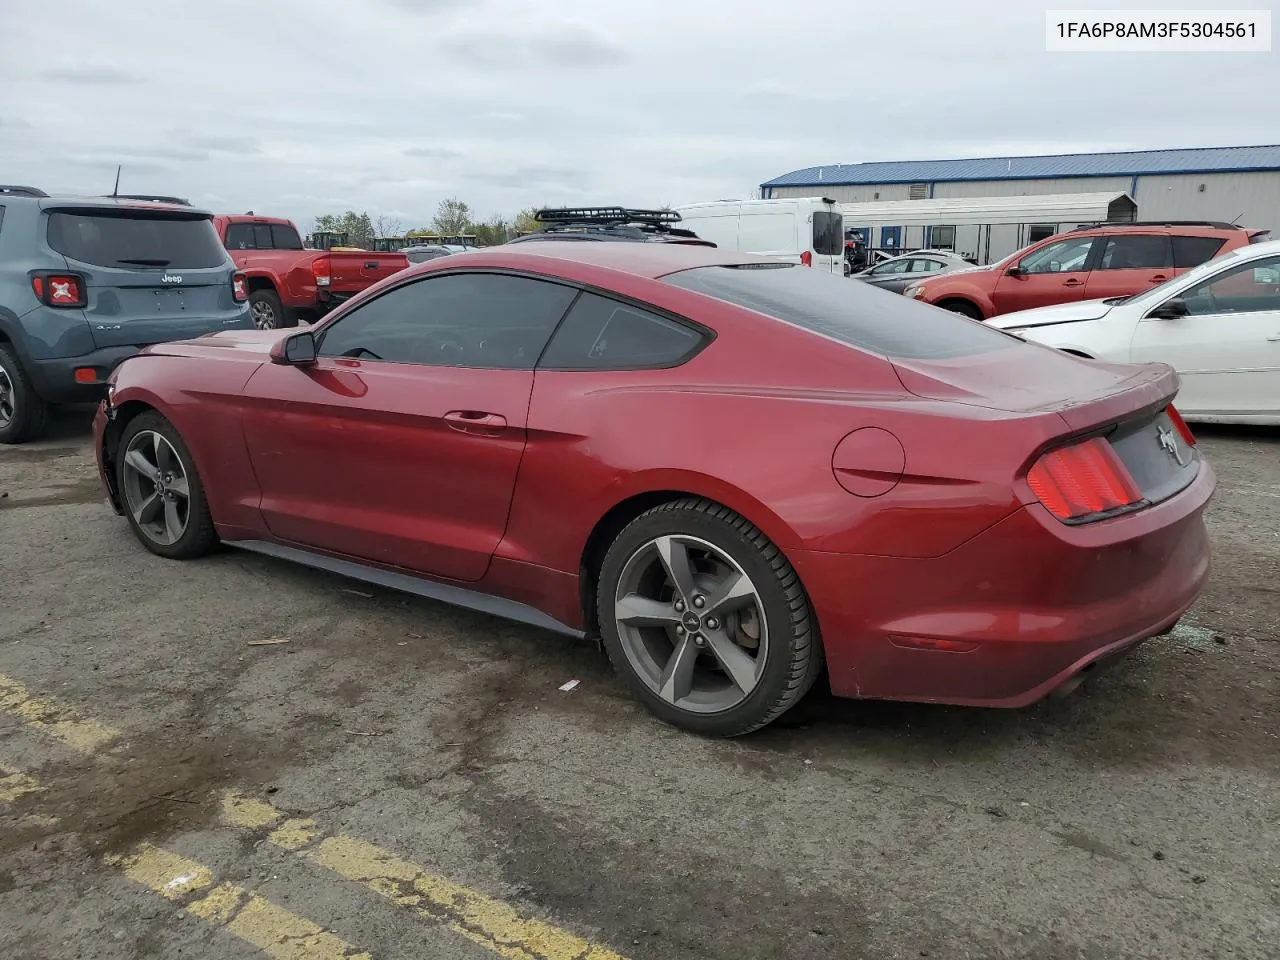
(1, 218)
(855, 314)
(1136, 252)
(828, 233)
(1065, 256)
(284, 237)
(1252, 287)
(136, 238)
(604, 334)
(240, 237)
(485, 320)
(1193, 251)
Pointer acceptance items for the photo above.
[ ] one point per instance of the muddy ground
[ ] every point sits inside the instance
(1139, 818)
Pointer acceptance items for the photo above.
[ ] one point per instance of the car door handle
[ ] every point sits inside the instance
(1275, 339)
(1159, 278)
(476, 421)
(1073, 283)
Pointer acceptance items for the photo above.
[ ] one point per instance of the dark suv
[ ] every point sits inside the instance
(88, 281)
(611, 223)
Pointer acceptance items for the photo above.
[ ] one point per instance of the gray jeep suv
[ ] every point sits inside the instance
(88, 281)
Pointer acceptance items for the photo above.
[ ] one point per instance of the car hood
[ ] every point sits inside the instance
(1059, 313)
(257, 342)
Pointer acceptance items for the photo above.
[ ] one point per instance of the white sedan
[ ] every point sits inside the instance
(1218, 325)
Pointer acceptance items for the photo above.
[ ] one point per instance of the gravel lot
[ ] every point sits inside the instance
(1139, 818)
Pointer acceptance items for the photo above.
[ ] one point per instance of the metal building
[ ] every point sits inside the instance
(1235, 184)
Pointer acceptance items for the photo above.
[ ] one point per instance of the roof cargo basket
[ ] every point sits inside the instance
(15, 190)
(604, 215)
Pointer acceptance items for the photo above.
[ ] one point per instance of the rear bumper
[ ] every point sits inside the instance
(1014, 614)
(55, 380)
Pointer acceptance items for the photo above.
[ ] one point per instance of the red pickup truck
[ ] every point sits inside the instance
(288, 282)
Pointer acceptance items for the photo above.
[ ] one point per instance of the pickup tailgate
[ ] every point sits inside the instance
(351, 271)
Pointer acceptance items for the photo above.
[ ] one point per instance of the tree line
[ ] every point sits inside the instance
(453, 217)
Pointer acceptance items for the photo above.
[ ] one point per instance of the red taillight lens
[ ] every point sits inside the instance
(320, 270)
(59, 289)
(807, 258)
(1181, 426)
(1083, 479)
(240, 288)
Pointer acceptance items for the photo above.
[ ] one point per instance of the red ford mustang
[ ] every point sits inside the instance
(734, 470)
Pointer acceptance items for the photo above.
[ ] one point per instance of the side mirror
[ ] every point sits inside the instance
(1170, 310)
(1016, 271)
(298, 350)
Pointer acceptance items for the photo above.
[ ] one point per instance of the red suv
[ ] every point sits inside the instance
(1091, 263)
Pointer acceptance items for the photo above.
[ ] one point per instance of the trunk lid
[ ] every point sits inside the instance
(353, 270)
(151, 274)
(1126, 403)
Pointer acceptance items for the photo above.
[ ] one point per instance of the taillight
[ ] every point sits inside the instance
(1082, 480)
(240, 287)
(59, 289)
(320, 270)
(1181, 426)
(807, 258)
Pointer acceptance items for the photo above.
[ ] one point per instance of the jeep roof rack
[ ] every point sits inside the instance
(605, 215)
(179, 201)
(16, 190)
(1215, 224)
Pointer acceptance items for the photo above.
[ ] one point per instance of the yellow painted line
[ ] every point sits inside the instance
(15, 785)
(257, 921)
(483, 920)
(53, 718)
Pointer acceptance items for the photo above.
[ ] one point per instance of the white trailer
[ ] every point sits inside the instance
(983, 229)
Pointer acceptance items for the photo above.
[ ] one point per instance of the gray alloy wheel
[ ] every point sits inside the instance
(264, 315)
(156, 488)
(705, 619)
(691, 623)
(8, 408)
(23, 414)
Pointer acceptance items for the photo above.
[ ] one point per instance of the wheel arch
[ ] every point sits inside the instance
(950, 301)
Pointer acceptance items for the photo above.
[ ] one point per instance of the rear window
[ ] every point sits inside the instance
(262, 236)
(136, 239)
(1193, 251)
(856, 314)
(828, 233)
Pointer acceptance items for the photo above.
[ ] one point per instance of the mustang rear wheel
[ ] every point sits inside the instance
(163, 497)
(706, 620)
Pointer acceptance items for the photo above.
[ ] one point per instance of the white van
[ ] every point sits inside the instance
(808, 230)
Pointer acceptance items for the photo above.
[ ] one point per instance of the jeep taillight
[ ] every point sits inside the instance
(59, 289)
(1082, 480)
(320, 270)
(807, 258)
(240, 287)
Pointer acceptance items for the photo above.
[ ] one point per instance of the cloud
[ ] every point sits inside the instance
(544, 45)
(89, 74)
(510, 103)
(434, 153)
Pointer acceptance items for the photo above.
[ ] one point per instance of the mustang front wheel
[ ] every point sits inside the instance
(163, 497)
(706, 620)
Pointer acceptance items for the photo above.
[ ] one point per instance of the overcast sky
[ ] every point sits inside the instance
(301, 107)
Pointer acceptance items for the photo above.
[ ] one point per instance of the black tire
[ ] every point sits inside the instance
(30, 413)
(964, 308)
(199, 536)
(794, 659)
(267, 311)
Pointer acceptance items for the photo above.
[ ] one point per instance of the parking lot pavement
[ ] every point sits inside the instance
(401, 779)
